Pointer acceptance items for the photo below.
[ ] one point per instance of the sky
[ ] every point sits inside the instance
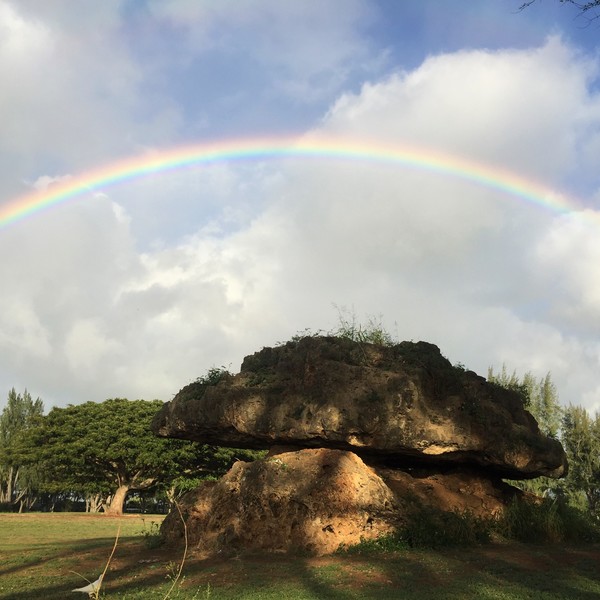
(452, 191)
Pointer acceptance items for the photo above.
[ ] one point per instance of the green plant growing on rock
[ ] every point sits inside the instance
(213, 376)
(371, 332)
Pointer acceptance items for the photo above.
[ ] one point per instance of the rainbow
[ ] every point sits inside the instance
(260, 149)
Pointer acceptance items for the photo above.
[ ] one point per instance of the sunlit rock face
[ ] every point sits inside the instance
(308, 501)
(403, 405)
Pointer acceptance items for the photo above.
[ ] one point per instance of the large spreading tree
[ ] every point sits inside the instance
(108, 449)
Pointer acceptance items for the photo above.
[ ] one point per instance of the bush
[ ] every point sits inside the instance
(524, 520)
(386, 543)
(548, 521)
(427, 527)
(433, 528)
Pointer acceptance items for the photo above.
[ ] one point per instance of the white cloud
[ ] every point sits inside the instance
(45, 182)
(86, 348)
(568, 257)
(138, 290)
(498, 107)
(71, 87)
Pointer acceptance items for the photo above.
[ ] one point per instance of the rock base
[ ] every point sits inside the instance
(316, 500)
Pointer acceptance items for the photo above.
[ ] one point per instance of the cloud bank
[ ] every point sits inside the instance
(137, 291)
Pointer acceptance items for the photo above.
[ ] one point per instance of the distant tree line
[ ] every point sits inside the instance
(94, 456)
(574, 427)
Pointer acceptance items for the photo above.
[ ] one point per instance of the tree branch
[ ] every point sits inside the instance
(584, 7)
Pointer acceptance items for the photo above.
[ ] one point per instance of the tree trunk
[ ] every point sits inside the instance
(9, 485)
(118, 501)
(94, 503)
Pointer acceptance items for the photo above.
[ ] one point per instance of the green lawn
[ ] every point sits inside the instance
(40, 552)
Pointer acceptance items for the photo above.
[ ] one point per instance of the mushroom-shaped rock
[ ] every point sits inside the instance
(404, 404)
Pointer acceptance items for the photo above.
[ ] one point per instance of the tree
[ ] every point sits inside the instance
(540, 398)
(510, 382)
(581, 441)
(544, 404)
(17, 479)
(106, 450)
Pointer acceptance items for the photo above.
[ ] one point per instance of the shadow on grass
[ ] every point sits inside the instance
(51, 571)
(51, 552)
(512, 571)
(490, 572)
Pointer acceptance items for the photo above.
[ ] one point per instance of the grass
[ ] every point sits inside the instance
(39, 552)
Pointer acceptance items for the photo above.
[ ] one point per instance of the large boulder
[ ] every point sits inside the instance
(405, 404)
(309, 501)
(314, 501)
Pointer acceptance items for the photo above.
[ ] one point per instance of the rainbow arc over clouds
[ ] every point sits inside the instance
(254, 149)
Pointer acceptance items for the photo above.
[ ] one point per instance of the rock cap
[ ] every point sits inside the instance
(404, 403)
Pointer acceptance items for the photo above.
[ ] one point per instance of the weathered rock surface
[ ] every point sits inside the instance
(316, 500)
(311, 501)
(405, 403)
(460, 491)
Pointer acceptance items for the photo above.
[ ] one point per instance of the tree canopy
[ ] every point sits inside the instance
(107, 449)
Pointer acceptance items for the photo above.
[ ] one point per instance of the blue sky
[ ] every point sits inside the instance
(140, 288)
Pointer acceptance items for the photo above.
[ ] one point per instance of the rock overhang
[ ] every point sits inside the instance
(404, 403)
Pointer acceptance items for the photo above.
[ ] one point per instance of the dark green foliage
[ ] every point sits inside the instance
(432, 528)
(197, 388)
(544, 404)
(213, 376)
(578, 432)
(427, 527)
(547, 521)
(18, 479)
(98, 448)
(386, 543)
(581, 440)
(510, 382)
(540, 398)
